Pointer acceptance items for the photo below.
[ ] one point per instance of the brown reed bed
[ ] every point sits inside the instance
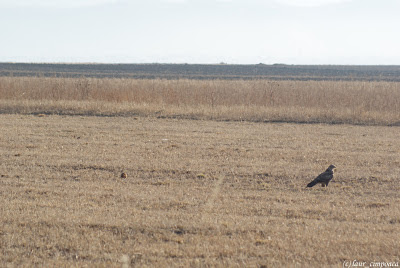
(352, 102)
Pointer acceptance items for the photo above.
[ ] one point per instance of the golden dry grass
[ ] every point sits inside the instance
(352, 102)
(198, 193)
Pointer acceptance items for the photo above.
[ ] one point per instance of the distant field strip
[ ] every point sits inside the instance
(352, 102)
(206, 71)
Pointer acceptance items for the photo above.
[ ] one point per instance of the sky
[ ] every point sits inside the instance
(349, 32)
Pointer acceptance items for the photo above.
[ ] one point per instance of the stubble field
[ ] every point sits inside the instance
(198, 193)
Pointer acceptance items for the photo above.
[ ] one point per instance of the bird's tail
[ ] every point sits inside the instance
(311, 184)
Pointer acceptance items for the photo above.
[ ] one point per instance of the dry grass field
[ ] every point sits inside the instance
(198, 193)
(349, 102)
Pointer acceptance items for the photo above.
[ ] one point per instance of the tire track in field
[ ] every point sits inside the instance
(208, 206)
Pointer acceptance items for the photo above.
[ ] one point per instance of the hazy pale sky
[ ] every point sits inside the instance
(201, 31)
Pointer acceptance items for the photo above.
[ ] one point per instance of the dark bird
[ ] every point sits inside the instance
(323, 178)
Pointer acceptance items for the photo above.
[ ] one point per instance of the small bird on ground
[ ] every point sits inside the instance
(323, 178)
(123, 175)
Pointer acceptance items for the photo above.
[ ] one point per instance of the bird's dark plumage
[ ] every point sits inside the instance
(323, 178)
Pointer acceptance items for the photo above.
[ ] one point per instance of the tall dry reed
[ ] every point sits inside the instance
(256, 100)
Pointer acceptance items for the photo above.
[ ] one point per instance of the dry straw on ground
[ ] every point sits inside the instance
(375, 103)
(199, 193)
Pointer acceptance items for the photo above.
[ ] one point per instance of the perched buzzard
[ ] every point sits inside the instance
(323, 178)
